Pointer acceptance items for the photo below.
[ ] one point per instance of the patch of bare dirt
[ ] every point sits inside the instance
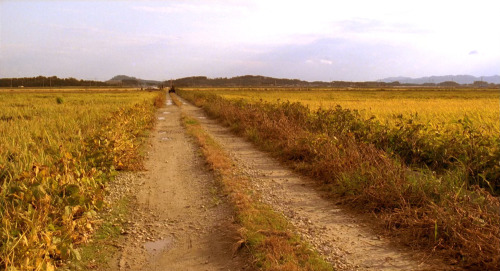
(179, 220)
(346, 240)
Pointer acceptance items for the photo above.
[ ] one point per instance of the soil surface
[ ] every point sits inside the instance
(178, 220)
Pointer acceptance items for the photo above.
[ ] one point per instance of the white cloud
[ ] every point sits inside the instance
(326, 61)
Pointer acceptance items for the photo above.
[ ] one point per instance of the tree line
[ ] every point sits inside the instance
(52, 81)
(203, 81)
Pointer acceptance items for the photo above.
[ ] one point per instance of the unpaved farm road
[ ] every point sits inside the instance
(181, 222)
(178, 220)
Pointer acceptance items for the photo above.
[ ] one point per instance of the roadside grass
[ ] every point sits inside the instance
(265, 233)
(176, 101)
(56, 156)
(111, 222)
(435, 129)
(101, 249)
(444, 213)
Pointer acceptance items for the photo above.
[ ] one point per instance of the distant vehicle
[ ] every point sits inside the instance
(171, 90)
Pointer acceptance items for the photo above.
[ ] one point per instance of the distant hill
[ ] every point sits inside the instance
(461, 79)
(132, 81)
(123, 77)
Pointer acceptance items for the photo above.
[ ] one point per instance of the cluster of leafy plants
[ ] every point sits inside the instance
(49, 209)
(421, 145)
(366, 164)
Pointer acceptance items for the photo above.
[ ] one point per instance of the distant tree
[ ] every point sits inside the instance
(449, 84)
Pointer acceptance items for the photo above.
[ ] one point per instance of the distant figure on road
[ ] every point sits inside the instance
(172, 89)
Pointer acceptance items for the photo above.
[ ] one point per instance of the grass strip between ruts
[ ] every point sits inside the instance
(265, 233)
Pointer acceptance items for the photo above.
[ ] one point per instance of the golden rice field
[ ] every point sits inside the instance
(57, 151)
(437, 129)
(432, 106)
(35, 125)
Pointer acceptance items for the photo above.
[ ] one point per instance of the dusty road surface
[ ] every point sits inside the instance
(178, 219)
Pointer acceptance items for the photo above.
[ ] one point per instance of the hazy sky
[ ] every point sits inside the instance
(309, 39)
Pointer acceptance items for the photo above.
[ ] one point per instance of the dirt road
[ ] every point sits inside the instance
(180, 221)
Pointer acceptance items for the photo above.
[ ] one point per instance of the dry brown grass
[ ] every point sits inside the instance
(160, 100)
(175, 99)
(437, 213)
